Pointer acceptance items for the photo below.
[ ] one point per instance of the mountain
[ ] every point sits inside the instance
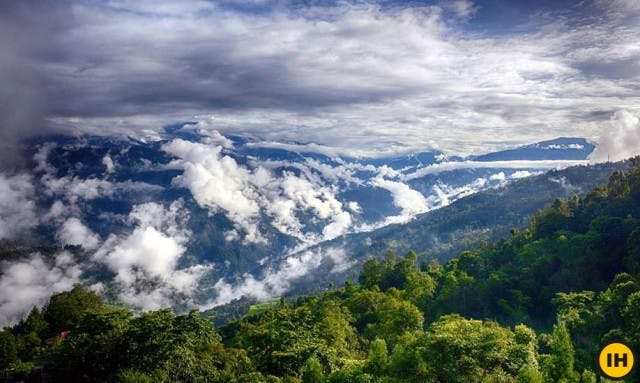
(442, 234)
(193, 218)
(562, 148)
(539, 306)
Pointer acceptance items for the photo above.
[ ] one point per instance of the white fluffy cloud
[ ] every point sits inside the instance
(282, 198)
(150, 254)
(219, 183)
(497, 177)
(17, 208)
(304, 194)
(145, 253)
(620, 139)
(108, 163)
(74, 232)
(522, 174)
(210, 135)
(412, 202)
(30, 282)
(446, 194)
(339, 225)
(276, 280)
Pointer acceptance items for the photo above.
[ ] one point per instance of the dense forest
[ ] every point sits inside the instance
(535, 307)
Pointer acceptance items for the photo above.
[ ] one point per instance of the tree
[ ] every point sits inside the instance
(95, 350)
(8, 351)
(378, 358)
(182, 348)
(65, 309)
(370, 275)
(559, 366)
(34, 323)
(588, 377)
(455, 349)
(312, 371)
(131, 376)
(335, 327)
(529, 374)
(419, 289)
(523, 352)
(29, 334)
(392, 318)
(633, 259)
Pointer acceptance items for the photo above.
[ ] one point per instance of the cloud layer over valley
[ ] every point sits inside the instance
(200, 219)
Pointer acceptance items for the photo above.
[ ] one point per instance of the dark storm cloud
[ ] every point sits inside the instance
(355, 74)
(25, 31)
(142, 60)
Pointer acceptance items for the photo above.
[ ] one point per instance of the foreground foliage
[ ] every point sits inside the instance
(533, 308)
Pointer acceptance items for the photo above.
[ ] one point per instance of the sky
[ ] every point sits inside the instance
(364, 76)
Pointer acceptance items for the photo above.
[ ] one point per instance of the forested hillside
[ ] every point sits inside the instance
(535, 307)
(445, 233)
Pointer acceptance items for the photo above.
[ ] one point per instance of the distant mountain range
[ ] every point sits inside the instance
(444, 233)
(563, 148)
(195, 218)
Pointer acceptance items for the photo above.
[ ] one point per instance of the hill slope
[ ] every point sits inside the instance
(485, 216)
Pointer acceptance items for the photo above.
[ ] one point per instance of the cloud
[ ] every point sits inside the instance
(31, 281)
(446, 194)
(620, 139)
(284, 197)
(441, 195)
(146, 261)
(170, 220)
(340, 259)
(218, 182)
(497, 177)
(17, 206)
(354, 207)
(22, 86)
(243, 194)
(623, 6)
(517, 164)
(461, 8)
(276, 281)
(340, 224)
(304, 194)
(282, 71)
(412, 202)
(337, 173)
(563, 147)
(522, 174)
(211, 136)
(147, 250)
(74, 232)
(40, 158)
(75, 189)
(107, 161)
